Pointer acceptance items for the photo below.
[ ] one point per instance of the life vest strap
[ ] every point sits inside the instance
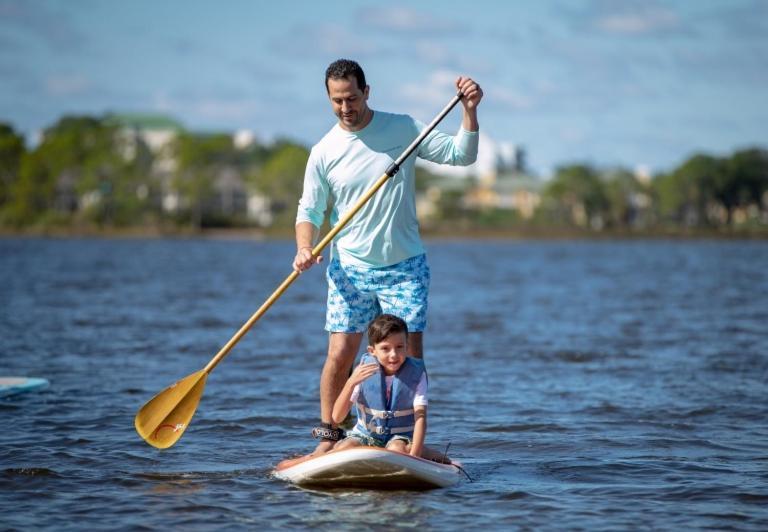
(381, 431)
(385, 414)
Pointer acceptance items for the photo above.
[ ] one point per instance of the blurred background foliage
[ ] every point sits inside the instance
(100, 173)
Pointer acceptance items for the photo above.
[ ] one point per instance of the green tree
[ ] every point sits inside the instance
(670, 197)
(425, 179)
(627, 197)
(77, 156)
(12, 150)
(577, 195)
(743, 181)
(687, 195)
(281, 179)
(135, 189)
(199, 159)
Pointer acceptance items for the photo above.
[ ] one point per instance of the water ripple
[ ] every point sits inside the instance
(584, 385)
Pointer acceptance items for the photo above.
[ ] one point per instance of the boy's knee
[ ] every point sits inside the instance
(346, 443)
(397, 445)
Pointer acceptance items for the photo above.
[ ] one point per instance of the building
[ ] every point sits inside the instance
(499, 177)
(153, 132)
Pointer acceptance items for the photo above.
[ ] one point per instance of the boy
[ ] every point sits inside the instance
(391, 406)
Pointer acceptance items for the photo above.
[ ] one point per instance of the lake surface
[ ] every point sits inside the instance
(585, 385)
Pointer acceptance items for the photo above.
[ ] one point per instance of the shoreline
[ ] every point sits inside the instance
(428, 234)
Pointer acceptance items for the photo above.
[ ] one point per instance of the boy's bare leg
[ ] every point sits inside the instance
(399, 446)
(434, 455)
(346, 443)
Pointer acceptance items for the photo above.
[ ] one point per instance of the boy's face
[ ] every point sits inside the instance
(390, 352)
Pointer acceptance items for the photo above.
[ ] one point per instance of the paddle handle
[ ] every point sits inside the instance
(395, 166)
(391, 171)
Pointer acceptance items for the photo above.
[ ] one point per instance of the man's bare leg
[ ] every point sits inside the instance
(342, 349)
(415, 345)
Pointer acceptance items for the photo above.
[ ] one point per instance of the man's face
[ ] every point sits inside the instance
(349, 102)
(390, 352)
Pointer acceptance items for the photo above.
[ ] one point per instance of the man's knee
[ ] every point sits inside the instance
(343, 347)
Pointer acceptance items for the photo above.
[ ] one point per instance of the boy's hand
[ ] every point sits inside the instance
(362, 372)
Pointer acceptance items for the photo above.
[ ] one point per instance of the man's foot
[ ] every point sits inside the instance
(328, 437)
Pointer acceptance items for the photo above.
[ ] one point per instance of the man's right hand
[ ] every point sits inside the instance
(304, 259)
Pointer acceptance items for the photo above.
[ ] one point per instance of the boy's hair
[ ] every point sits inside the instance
(341, 69)
(383, 326)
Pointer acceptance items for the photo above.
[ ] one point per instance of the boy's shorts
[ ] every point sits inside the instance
(356, 295)
(370, 441)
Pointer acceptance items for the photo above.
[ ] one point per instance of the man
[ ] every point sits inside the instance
(377, 261)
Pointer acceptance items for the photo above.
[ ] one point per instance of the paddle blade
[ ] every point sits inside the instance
(165, 417)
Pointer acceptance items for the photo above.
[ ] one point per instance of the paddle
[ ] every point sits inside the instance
(165, 417)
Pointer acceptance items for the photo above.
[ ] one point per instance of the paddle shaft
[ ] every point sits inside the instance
(391, 171)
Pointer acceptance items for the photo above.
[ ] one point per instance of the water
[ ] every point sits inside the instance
(604, 385)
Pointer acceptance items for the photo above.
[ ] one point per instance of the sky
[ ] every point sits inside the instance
(632, 83)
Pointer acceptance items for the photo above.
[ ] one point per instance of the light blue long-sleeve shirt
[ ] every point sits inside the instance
(344, 165)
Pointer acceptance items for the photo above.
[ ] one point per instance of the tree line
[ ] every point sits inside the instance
(97, 172)
(704, 192)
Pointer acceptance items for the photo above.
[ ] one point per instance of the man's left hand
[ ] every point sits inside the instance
(471, 91)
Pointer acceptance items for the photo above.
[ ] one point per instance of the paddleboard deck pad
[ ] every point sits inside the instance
(14, 385)
(367, 467)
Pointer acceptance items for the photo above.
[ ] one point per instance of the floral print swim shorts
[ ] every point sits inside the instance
(356, 294)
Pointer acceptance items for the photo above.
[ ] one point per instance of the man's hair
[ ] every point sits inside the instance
(383, 326)
(343, 68)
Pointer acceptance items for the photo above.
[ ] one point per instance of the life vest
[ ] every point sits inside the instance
(379, 418)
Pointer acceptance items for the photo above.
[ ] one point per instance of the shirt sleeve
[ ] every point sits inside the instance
(441, 148)
(420, 398)
(314, 198)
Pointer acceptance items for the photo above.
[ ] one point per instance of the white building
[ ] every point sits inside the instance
(500, 179)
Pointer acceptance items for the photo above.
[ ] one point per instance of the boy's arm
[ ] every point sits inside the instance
(342, 405)
(419, 430)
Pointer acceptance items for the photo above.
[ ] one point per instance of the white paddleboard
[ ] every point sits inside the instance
(14, 385)
(367, 467)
